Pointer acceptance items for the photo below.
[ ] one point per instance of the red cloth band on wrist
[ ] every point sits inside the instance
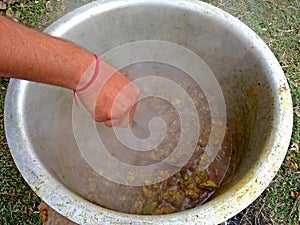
(90, 82)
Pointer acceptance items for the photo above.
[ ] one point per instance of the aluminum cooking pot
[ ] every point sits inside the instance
(38, 117)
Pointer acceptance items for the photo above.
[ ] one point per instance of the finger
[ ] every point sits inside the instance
(127, 89)
(131, 112)
(116, 122)
(108, 123)
(120, 110)
(123, 123)
(125, 105)
(132, 91)
(128, 118)
(108, 108)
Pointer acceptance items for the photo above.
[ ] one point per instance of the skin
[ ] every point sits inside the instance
(35, 56)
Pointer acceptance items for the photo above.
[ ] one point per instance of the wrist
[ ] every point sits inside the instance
(89, 76)
(84, 75)
(88, 79)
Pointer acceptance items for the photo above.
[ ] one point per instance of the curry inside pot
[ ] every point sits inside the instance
(187, 188)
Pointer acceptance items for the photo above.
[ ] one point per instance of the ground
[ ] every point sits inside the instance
(277, 22)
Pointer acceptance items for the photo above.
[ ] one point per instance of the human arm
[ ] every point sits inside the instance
(31, 55)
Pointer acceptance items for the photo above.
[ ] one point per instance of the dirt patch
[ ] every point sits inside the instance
(51, 217)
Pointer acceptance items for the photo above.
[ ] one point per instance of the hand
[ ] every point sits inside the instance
(111, 98)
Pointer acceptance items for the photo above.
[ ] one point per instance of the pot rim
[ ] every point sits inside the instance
(215, 211)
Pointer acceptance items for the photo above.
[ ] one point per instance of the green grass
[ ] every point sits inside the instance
(277, 22)
(37, 14)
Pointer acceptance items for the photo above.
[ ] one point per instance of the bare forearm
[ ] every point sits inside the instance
(30, 55)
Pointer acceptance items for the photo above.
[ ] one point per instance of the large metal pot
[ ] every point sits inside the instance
(38, 117)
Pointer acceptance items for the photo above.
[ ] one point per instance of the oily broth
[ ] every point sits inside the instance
(187, 188)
